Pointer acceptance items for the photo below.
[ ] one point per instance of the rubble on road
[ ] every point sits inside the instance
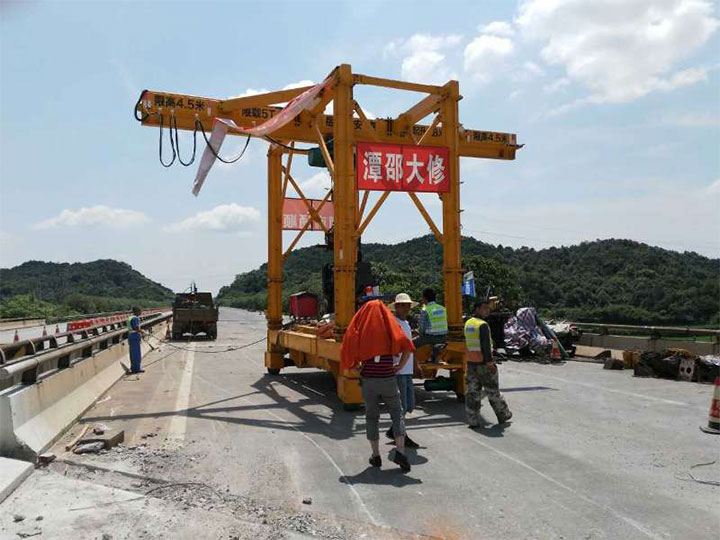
(108, 437)
(45, 459)
(90, 447)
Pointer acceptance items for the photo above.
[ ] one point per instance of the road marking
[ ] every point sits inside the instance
(596, 387)
(328, 456)
(312, 441)
(178, 423)
(552, 480)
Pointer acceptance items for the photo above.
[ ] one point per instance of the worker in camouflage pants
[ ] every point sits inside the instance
(481, 371)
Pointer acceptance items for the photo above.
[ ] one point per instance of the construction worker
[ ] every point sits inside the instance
(481, 371)
(371, 340)
(135, 334)
(432, 326)
(404, 364)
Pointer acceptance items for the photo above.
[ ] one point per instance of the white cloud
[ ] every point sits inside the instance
(99, 215)
(424, 57)
(498, 28)
(317, 185)
(714, 188)
(299, 84)
(226, 218)
(256, 91)
(708, 119)
(487, 56)
(620, 50)
(556, 86)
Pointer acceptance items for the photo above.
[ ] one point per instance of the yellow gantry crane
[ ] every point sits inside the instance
(365, 155)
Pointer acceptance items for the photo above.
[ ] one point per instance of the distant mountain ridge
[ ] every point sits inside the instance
(48, 288)
(618, 281)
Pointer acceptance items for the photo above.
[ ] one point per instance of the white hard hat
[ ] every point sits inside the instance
(403, 298)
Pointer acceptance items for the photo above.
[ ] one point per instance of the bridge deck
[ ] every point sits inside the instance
(590, 454)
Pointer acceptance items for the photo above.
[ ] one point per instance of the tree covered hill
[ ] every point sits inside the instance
(37, 288)
(616, 281)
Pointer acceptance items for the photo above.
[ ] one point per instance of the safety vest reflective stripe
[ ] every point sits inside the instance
(438, 318)
(472, 334)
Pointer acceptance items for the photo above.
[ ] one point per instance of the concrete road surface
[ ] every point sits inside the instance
(214, 444)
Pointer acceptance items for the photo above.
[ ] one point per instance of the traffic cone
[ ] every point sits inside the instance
(44, 331)
(714, 415)
(555, 355)
(16, 338)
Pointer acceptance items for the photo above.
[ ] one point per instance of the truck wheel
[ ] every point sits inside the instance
(273, 371)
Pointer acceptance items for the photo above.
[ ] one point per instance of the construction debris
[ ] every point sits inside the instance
(46, 458)
(109, 438)
(72, 443)
(88, 448)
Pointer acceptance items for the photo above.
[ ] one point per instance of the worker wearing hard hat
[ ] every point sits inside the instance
(432, 326)
(404, 365)
(481, 372)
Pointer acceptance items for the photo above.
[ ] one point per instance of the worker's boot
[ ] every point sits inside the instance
(505, 417)
(389, 434)
(401, 460)
(409, 443)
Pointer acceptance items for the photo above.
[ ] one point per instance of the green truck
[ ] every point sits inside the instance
(194, 313)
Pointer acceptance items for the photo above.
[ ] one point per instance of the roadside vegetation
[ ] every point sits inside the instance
(610, 281)
(42, 289)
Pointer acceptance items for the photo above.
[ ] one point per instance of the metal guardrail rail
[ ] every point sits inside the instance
(29, 347)
(652, 330)
(41, 360)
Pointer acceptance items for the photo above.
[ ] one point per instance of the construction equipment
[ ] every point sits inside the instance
(385, 155)
(194, 313)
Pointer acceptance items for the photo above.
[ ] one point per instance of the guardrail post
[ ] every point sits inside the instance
(64, 362)
(29, 376)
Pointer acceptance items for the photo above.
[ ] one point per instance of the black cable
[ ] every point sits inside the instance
(161, 146)
(229, 349)
(135, 110)
(233, 160)
(173, 120)
(275, 141)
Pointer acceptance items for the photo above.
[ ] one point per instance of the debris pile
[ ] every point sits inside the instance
(527, 335)
(678, 364)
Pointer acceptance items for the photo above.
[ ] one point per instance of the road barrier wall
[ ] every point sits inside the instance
(626, 343)
(33, 416)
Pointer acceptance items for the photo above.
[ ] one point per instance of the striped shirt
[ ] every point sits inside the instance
(378, 367)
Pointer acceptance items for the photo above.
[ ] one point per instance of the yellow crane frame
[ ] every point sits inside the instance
(347, 125)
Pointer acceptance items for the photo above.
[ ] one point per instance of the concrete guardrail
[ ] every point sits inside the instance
(47, 392)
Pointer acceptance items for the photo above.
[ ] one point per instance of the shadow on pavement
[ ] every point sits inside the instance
(373, 475)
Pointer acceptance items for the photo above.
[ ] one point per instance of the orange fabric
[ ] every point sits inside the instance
(372, 331)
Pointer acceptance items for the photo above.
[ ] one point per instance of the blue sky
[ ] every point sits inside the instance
(618, 103)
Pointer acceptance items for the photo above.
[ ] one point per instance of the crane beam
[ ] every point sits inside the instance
(247, 113)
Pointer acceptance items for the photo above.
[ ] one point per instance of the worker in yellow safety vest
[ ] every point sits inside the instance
(481, 372)
(432, 326)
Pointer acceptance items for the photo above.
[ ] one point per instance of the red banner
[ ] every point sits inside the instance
(396, 167)
(296, 214)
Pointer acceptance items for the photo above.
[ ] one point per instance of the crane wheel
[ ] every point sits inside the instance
(352, 407)
(273, 371)
(461, 398)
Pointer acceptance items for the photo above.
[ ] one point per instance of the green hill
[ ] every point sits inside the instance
(615, 281)
(37, 288)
